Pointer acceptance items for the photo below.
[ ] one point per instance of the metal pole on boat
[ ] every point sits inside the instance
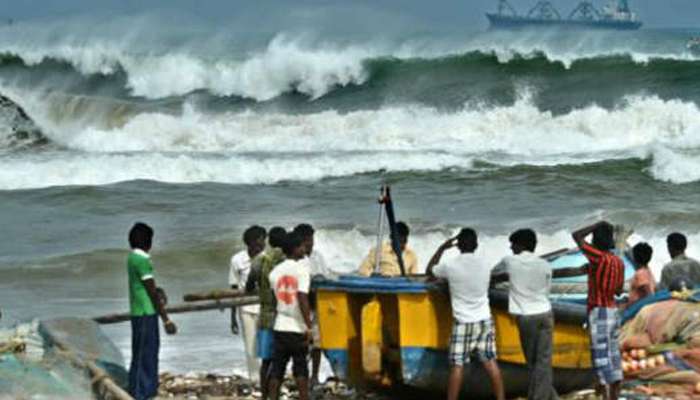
(380, 229)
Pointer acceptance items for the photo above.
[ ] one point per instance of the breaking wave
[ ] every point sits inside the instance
(289, 66)
(266, 148)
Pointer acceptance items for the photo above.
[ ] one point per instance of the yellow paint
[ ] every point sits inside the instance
(425, 320)
(571, 343)
(372, 337)
(335, 321)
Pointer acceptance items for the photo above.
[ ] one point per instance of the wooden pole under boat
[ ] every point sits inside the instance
(99, 376)
(184, 308)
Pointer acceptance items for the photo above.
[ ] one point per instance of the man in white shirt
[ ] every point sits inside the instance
(318, 268)
(291, 282)
(254, 239)
(530, 281)
(473, 332)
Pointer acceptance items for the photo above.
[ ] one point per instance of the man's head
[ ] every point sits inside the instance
(642, 253)
(467, 241)
(306, 232)
(523, 240)
(141, 236)
(604, 237)
(403, 232)
(277, 237)
(676, 243)
(293, 246)
(254, 239)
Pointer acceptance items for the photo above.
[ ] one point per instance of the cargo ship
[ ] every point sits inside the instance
(615, 16)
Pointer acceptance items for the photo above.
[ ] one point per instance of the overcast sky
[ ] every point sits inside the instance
(422, 14)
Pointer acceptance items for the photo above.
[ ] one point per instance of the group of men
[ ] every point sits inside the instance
(530, 276)
(283, 326)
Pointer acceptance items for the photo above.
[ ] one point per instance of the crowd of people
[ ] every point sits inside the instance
(283, 326)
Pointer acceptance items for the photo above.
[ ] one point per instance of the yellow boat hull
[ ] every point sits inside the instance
(387, 332)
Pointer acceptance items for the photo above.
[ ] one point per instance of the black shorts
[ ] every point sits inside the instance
(290, 345)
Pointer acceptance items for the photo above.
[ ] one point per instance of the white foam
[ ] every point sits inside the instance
(251, 147)
(60, 169)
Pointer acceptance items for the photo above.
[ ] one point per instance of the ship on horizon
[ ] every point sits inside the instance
(615, 16)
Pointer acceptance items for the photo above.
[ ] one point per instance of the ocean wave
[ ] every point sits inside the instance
(267, 148)
(56, 169)
(289, 65)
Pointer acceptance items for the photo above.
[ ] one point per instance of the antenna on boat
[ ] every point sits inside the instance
(380, 228)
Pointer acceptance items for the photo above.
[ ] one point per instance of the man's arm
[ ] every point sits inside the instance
(368, 263)
(305, 307)
(150, 286)
(580, 235)
(234, 280)
(435, 259)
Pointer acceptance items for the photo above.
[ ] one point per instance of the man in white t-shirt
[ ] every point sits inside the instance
(318, 268)
(291, 282)
(530, 281)
(254, 239)
(473, 334)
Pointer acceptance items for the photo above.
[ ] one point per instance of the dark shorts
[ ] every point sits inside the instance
(292, 346)
(264, 341)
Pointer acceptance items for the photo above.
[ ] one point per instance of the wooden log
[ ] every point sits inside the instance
(217, 294)
(184, 308)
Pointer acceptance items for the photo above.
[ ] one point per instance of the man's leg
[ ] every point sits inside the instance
(527, 328)
(249, 324)
(454, 385)
(265, 378)
(280, 358)
(301, 366)
(544, 383)
(136, 349)
(315, 365)
(494, 373)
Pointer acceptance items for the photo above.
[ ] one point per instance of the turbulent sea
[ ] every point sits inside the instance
(200, 133)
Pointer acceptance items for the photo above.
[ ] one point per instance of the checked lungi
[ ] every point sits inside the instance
(604, 327)
(476, 339)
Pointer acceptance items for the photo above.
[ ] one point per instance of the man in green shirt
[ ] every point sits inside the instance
(145, 306)
(259, 279)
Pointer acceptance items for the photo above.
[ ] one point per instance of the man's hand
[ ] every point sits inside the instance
(170, 327)
(234, 327)
(449, 243)
(309, 337)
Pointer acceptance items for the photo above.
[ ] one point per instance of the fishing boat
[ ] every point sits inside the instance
(395, 332)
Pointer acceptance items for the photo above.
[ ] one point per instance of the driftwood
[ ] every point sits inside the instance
(185, 307)
(217, 294)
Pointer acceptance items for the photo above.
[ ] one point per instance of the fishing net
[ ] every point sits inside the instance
(33, 367)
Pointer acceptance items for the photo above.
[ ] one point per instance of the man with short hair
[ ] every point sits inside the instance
(389, 262)
(259, 279)
(254, 239)
(681, 271)
(606, 277)
(530, 281)
(473, 334)
(145, 306)
(291, 282)
(318, 269)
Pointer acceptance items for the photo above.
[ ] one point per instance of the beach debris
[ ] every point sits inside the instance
(214, 386)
